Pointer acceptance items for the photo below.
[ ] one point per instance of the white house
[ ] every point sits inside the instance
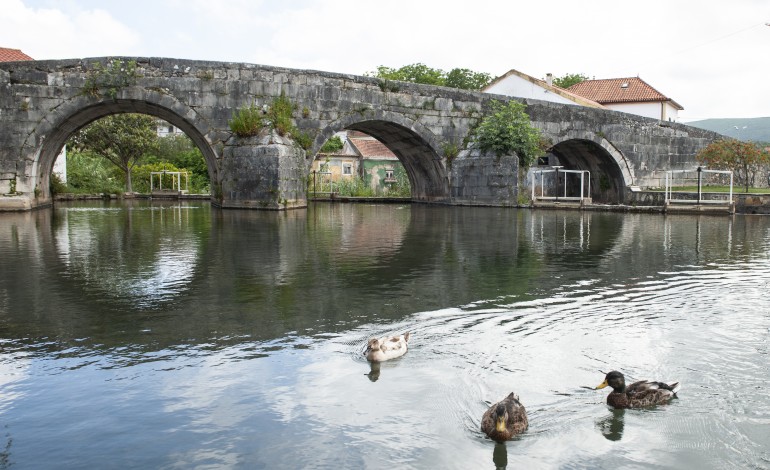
(630, 95)
(521, 85)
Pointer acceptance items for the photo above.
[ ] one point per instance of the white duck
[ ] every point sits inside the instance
(388, 347)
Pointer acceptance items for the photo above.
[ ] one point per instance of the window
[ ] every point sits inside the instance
(389, 176)
(347, 169)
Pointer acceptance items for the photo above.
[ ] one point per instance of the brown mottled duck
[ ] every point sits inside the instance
(505, 419)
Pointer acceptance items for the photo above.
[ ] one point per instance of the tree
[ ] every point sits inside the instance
(415, 73)
(420, 73)
(121, 138)
(466, 79)
(569, 79)
(507, 129)
(744, 159)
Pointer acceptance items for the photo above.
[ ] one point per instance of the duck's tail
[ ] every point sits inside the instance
(675, 387)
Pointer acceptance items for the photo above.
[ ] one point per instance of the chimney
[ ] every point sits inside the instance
(549, 79)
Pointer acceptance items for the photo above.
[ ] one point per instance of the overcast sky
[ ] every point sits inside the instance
(712, 57)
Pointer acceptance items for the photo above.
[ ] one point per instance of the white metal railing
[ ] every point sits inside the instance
(585, 184)
(176, 180)
(715, 199)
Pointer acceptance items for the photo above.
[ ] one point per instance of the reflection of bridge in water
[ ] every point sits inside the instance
(142, 266)
(44, 102)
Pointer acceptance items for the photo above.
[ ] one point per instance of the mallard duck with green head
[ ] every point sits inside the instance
(638, 394)
(505, 419)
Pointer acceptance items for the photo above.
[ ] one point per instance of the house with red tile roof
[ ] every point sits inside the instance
(630, 95)
(521, 85)
(361, 156)
(12, 55)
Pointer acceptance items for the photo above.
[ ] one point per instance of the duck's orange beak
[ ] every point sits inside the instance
(601, 385)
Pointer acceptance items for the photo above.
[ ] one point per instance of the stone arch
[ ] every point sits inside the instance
(413, 143)
(50, 135)
(611, 172)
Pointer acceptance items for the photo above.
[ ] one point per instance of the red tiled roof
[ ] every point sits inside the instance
(12, 55)
(369, 147)
(577, 99)
(620, 90)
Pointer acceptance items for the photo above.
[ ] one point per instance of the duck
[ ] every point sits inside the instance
(505, 419)
(638, 394)
(386, 348)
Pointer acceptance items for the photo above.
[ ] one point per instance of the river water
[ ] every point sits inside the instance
(175, 335)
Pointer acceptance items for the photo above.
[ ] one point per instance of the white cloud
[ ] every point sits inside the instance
(703, 61)
(47, 33)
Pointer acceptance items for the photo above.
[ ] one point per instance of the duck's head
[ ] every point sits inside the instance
(373, 344)
(615, 380)
(500, 415)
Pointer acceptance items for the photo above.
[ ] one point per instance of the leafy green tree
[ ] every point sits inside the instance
(506, 130)
(466, 79)
(415, 73)
(121, 138)
(566, 81)
(420, 73)
(744, 159)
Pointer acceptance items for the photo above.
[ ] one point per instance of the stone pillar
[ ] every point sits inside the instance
(263, 172)
(484, 179)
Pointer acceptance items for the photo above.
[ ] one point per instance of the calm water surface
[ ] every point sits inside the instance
(181, 336)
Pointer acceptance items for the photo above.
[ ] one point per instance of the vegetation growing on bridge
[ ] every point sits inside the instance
(109, 80)
(249, 121)
(507, 130)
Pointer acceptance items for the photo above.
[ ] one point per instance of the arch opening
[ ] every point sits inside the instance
(353, 163)
(424, 168)
(60, 133)
(608, 183)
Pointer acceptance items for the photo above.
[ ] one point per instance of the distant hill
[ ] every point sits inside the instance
(753, 129)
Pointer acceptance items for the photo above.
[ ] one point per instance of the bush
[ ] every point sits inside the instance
(92, 174)
(401, 188)
(507, 130)
(247, 122)
(280, 115)
(354, 187)
(334, 144)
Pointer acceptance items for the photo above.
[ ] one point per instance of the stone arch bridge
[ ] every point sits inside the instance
(42, 103)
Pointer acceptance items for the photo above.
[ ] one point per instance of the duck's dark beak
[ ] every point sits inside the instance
(601, 385)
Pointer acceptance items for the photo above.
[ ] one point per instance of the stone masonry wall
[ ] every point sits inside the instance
(43, 102)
